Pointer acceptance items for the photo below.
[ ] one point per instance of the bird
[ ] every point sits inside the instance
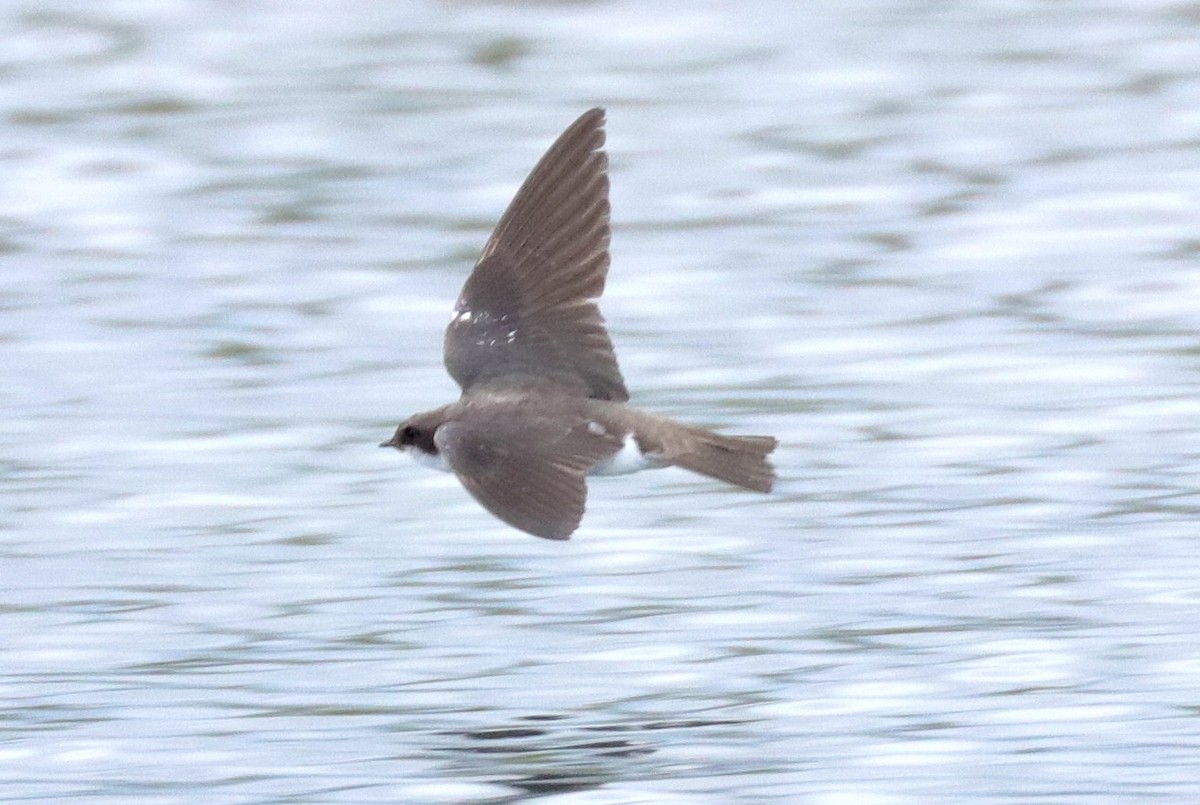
(543, 401)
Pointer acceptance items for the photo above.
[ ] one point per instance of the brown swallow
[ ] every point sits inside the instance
(543, 402)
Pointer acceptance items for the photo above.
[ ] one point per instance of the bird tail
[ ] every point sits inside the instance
(738, 460)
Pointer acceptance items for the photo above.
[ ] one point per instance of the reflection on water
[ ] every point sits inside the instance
(548, 755)
(947, 254)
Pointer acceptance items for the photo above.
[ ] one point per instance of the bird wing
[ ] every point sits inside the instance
(528, 309)
(525, 468)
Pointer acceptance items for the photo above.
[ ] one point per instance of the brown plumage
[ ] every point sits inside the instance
(543, 402)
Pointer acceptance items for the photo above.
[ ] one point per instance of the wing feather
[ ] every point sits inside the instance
(526, 469)
(528, 309)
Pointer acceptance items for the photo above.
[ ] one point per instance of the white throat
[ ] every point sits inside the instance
(437, 462)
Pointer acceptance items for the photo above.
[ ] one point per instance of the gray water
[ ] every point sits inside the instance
(946, 251)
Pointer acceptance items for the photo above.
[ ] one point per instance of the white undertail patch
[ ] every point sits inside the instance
(629, 458)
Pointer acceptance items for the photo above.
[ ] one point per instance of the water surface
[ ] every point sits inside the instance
(946, 252)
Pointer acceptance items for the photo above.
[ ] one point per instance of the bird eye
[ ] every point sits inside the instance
(408, 434)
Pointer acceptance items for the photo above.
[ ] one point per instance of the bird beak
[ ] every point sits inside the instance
(390, 443)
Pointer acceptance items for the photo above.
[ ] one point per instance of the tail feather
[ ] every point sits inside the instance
(738, 460)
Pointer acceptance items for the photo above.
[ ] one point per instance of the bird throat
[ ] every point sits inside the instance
(434, 461)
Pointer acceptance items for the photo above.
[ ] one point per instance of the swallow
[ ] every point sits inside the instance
(543, 402)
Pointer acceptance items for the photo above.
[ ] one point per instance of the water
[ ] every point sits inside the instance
(946, 252)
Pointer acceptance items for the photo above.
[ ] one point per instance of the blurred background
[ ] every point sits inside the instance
(945, 251)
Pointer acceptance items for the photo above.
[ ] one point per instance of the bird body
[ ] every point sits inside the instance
(544, 403)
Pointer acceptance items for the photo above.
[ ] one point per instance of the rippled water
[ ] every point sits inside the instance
(946, 251)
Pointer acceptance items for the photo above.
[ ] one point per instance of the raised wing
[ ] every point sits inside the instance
(528, 470)
(528, 308)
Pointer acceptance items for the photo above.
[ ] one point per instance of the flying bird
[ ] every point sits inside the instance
(543, 402)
